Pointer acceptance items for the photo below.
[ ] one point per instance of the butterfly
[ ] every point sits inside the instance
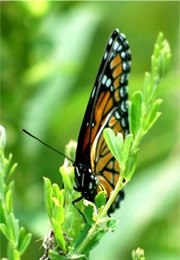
(95, 167)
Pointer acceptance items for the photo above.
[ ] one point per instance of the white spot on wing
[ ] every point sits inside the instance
(93, 92)
(108, 83)
(123, 35)
(117, 115)
(123, 90)
(123, 123)
(124, 77)
(104, 79)
(123, 106)
(110, 41)
(116, 45)
(123, 54)
(105, 55)
(119, 48)
(124, 65)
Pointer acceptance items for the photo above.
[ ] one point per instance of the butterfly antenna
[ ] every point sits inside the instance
(25, 131)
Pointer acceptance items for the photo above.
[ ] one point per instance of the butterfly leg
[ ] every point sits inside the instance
(76, 200)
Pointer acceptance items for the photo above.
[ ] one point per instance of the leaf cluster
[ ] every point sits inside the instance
(143, 113)
(18, 239)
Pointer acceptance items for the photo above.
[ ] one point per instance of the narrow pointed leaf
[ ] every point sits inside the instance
(135, 112)
(111, 141)
(48, 196)
(9, 201)
(149, 120)
(126, 148)
(25, 242)
(58, 213)
(66, 179)
(147, 87)
(59, 234)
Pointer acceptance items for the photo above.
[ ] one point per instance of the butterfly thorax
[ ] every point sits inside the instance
(86, 182)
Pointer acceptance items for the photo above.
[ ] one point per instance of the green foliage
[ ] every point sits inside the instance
(138, 254)
(49, 59)
(18, 239)
(64, 218)
(142, 116)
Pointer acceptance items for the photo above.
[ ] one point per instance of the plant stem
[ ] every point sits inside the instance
(92, 231)
(115, 192)
(82, 246)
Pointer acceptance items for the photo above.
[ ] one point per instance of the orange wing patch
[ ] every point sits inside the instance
(104, 185)
(116, 82)
(117, 95)
(115, 61)
(117, 71)
(101, 104)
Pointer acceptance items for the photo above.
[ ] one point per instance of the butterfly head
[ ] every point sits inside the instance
(86, 182)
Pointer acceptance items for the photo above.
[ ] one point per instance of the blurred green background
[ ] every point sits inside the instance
(50, 54)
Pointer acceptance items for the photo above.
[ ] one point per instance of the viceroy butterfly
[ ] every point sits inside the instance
(95, 167)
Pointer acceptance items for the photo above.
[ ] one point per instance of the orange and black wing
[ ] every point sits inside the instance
(108, 97)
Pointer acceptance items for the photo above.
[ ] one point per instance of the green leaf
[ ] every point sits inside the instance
(156, 117)
(21, 235)
(126, 148)
(71, 175)
(2, 136)
(3, 228)
(6, 165)
(89, 212)
(138, 254)
(2, 188)
(59, 234)
(10, 173)
(114, 143)
(58, 212)
(3, 213)
(130, 166)
(152, 115)
(13, 227)
(62, 194)
(135, 112)
(160, 59)
(9, 201)
(24, 243)
(147, 87)
(165, 58)
(56, 191)
(112, 223)
(48, 193)
(66, 180)
(100, 199)
(94, 241)
(70, 149)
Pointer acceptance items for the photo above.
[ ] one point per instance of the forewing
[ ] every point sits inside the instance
(109, 92)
